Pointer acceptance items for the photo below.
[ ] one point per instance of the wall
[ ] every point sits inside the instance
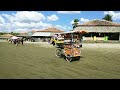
(99, 28)
(91, 38)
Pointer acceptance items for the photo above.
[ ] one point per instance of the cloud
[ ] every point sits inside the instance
(23, 26)
(109, 12)
(29, 16)
(9, 18)
(29, 26)
(69, 28)
(5, 27)
(25, 16)
(84, 20)
(2, 20)
(61, 27)
(115, 15)
(52, 18)
(72, 22)
(32, 24)
(68, 12)
(23, 21)
(65, 28)
(26, 21)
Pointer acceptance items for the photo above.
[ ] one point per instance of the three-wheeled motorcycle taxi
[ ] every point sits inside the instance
(68, 45)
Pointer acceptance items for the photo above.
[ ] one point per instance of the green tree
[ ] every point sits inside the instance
(15, 34)
(108, 17)
(76, 21)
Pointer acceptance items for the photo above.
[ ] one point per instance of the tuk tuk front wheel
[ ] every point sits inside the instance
(58, 53)
(68, 58)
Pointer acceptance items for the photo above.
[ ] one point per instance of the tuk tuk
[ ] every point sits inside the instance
(68, 44)
(53, 39)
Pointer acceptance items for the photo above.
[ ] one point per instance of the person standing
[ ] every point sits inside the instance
(22, 41)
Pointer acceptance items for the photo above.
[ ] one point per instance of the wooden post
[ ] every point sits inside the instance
(119, 36)
(91, 34)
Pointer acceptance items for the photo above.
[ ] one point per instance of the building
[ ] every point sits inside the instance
(100, 29)
(23, 34)
(46, 34)
(51, 30)
(27, 35)
(5, 36)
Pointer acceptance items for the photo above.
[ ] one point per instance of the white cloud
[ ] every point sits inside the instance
(68, 12)
(23, 21)
(84, 20)
(25, 16)
(26, 21)
(65, 28)
(29, 16)
(115, 15)
(10, 18)
(52, 17)
(30, 26)
(61, 27)
(69, 28)
(2, 20)
(5, 27)
(72, 22)
(23, 26)
(109, 12)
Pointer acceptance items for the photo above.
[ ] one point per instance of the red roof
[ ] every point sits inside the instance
(54, 30)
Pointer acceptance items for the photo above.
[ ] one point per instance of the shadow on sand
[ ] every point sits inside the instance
(73, 59)
(76, 58)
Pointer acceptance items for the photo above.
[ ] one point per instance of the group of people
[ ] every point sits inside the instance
(16, 41)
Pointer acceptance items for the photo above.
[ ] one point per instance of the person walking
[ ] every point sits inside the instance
(22, 41)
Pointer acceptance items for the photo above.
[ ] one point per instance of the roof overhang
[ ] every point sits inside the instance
(46, 34)
(103, 29)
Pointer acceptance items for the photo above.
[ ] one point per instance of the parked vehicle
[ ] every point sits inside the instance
(68, 45)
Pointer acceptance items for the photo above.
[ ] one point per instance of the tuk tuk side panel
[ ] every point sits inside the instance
(76, 52)
(67, 51)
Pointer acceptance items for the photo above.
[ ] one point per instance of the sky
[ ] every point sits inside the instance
(25, 21)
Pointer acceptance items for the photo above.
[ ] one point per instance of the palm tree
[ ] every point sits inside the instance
(76, 21)
(108, 17)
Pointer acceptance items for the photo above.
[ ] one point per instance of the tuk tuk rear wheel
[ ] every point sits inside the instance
(68, 58)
